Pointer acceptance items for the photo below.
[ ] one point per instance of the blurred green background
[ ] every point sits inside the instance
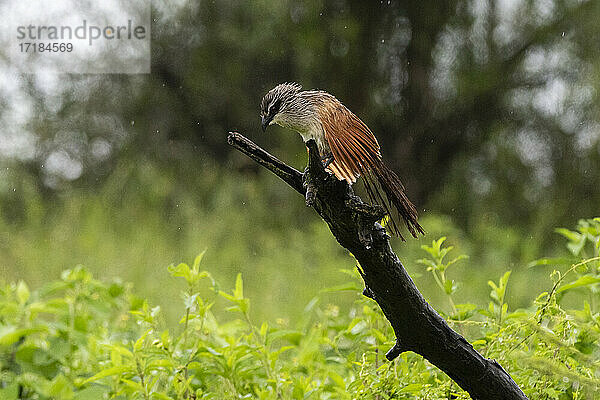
(488, 110)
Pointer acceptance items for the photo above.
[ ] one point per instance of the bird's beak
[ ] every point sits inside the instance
(265, 121)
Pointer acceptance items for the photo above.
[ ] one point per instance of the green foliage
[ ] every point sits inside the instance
(144, 218)
(438, 267)
(585, 241)
(80, 338)
(237, 220)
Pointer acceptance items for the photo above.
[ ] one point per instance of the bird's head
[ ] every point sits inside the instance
(277, 102)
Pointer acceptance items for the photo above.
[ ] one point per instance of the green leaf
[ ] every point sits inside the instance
(133, 385)
(22, 292)
(461, 257)
(576, 247)
(504, 279)
(353, 323)
(571, 235)
(586, 342)
(238, 293)
(413, 388)
(337, 379)
(117, 370)
(449, 286)
(180, 271)
(10, 334)
(264, 328)
(120, 350)
(60, 388)
(444, 251)
(137, 346)
(438, 244)
(359, 327)
(585, 280)
(162, 363)
(274, 355)
(115, 358)
(244, 305)
(551, 261)
(160, 396)
(378, 335)
(289, 335)
(227, 295)
(197, 261)
(428, 263)
(576, 240)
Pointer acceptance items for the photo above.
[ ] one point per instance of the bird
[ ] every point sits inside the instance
(348, 148)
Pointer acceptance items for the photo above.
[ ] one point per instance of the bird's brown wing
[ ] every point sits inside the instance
(351, 142)
(356, 152)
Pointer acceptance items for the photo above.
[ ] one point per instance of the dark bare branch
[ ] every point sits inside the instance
(417, 326)
(290, 175)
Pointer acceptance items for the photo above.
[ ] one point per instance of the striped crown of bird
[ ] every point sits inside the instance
(347, 146)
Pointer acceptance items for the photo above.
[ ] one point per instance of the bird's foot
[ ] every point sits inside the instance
(327, 160)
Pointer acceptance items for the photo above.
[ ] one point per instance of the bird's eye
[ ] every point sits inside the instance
(274, 107)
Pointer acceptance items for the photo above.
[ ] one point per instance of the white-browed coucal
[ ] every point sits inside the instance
(347, 146)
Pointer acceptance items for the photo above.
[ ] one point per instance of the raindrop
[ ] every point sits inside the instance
(132, 123)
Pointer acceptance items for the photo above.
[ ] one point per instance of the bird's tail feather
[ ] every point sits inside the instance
(384, 187)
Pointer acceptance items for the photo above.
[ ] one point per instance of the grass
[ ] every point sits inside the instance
(79, 338)
(142, 219)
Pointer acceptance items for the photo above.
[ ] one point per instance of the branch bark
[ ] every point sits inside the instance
(417, 326)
